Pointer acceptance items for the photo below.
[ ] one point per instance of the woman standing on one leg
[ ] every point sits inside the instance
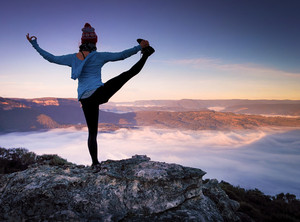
(91, 104)
(86, 67)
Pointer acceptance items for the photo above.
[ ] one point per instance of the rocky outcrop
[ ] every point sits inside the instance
(135, 189)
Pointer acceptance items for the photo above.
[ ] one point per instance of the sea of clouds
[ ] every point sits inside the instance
(267, 159)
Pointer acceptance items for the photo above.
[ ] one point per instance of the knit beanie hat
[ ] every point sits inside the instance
(88, 34)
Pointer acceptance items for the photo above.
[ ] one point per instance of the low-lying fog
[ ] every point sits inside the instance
(267, 159)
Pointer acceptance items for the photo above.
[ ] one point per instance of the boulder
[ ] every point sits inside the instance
(134, 189)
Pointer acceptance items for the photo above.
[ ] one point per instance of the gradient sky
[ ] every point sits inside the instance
(213, 49)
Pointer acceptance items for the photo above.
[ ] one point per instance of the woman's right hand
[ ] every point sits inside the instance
(29, 38)
(144, 44)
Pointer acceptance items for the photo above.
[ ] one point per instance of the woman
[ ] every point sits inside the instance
(86, 67)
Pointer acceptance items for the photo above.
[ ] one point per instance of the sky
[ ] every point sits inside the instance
(213, 49)
(266, 159)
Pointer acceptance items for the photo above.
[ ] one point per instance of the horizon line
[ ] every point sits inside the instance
(52, 97)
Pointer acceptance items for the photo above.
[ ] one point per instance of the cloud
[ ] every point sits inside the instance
(266, 159)
(243, 69)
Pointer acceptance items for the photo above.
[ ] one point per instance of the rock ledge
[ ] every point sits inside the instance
(133, 189)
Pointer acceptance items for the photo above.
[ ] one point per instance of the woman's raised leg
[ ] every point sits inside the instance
(115, 84)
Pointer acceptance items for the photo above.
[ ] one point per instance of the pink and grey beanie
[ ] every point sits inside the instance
(88, 34)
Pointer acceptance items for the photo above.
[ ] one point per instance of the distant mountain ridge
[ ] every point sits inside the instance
(260, 107)
(267, 107)
(210, 120)
(46, 113)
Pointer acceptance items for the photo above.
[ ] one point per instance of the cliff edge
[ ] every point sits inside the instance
(135, 189)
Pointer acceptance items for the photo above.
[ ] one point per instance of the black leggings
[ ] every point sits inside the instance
(91, 104)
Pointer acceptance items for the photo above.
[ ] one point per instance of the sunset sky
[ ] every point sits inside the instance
(213, 49)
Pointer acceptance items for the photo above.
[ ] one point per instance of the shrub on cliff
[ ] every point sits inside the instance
(51, 159)
(18, 159)
(260, 207)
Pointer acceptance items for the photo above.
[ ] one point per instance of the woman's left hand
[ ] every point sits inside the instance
(29, 38)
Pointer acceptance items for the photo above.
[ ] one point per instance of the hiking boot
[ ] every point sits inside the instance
(148, 51)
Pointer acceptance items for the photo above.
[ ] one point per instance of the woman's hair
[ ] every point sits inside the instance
(88, 46)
